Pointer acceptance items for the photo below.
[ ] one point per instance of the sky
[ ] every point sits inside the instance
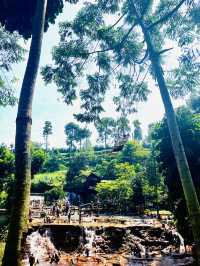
(48, 103)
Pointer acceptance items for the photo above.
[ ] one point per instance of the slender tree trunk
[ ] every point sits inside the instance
(157, 205)
(18, 219)
(156, 179)
(178, 148)
(105, 140)
(46, 143)
(80, 144)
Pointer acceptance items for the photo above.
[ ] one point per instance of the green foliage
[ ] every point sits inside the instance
(133, 152)
(106, 168)
(6, 175)
(38, 157)
(124, 171)
(10, 52)
(194, 103)
(189, 125)
(137, 130)
(54, 162)
(118, 51)
(93, 97)
(105, 128)
(185, 79)
(6, 162)
(54, 194)
(47, 129)
(18, 16)
(119, 190)
(138, 196)
(75, 134)
(89, 39)
(131, 92)
(76, 164)
(121, 129)
(116, 190)
(55, 179)
(78, 183)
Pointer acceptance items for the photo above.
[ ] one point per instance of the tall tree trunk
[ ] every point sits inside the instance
(46, 143)
(105, 140)
(177, 144)
(18, 219)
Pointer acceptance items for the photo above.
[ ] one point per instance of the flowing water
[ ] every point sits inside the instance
(182, 245)
(89, 237)
(41, 247)
(97, 249)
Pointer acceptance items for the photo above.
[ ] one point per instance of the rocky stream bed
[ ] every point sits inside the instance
(142, 244)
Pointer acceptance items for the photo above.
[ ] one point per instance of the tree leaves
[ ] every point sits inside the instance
(131, 92)
(10, 52)
(88, 20)
(111, 49)
(93, 97)
(18, 15)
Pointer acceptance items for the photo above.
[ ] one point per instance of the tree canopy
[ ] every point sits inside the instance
(10, 53)
(118, 52)
(18, 16)
(189, 124)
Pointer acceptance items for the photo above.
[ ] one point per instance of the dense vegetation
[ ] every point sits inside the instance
(128, 55)
(143, 175)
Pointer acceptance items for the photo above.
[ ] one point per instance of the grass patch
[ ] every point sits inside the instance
(55, 179)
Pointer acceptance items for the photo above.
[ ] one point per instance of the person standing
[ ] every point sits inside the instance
(31, 260)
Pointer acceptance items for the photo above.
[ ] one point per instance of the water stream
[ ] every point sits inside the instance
(90, 248)
(41, 247)
(89, 237)
(182, 245)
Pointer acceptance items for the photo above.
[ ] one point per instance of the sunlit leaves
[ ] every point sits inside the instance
(120, 188)
(133, 152)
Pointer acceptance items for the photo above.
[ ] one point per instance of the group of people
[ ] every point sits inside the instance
(57, 209)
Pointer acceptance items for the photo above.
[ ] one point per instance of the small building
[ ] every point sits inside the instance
(36, 201)
(91, 182)
(87, 192)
